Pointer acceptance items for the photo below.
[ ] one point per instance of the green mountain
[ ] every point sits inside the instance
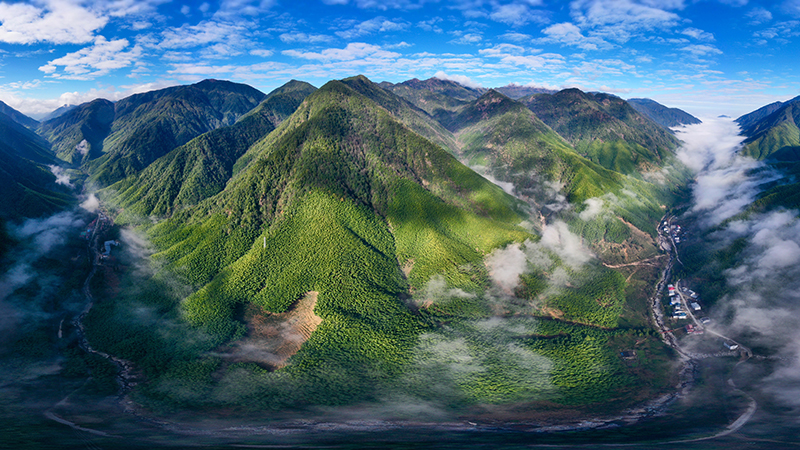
(78, 134)
(123, 140)
(29, 188)
(776, 133)
(201, 168)
(662, 115)
(748, 120)
(436, 97)
(343, 203)
(17, 116)
(605, 129)
(504, 135)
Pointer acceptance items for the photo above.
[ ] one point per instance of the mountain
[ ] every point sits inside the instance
(662, 115)
(748, 120)
(201, 167)
(435, 96)
(605, 129)
(29, 188)
(344, 205)
(144, 127)
(506, 136)
(772, 130)
(17, 116)
(58, 112)
(516, 91)
(78, 134)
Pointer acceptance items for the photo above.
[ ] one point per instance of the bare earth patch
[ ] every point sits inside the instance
(271, 338)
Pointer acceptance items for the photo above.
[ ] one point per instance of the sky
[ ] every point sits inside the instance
(708, 57)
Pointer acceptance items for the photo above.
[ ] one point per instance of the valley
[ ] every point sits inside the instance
(362, 258)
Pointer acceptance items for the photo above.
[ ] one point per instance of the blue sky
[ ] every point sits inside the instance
(708, 57)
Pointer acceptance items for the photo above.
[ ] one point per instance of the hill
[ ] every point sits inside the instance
(17, 116)
(29, 188)
(77, 135)
(201, 168)
(125, 137)
(605, 129)
(662, 115)
(775, 133)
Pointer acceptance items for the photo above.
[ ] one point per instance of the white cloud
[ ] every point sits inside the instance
(698, 34)
(204, 33)
(758, 16)
(291, 38)
(516, 14)
(467, 39)
(516, 37)
(619, 20)
(234, 8)
(58, 22)
(702, 50)
(791, 7)
(355, 50)
(569, 34)
(262, 53)
(461, 79)
(380, 4)
(371, 26)
(90, 62)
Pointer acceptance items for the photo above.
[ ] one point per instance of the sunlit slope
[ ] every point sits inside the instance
(200, 168)
(336, 200)
(776, 133)
(604, 129)
(662, 115)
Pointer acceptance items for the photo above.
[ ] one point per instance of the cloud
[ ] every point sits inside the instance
(204, 33)
(467, 39)
(593, 207)
(262, 53)
(699, 50)
(59, 22)
(381, 4)
(461, 79)
(516, 37)
(517, 14)
(569, 34)
(698, 34)
(726, 182)
(372, 26)
(619, 20)
(506, 265)
(758, 16)
(62, 177)
(567, 245)
(355, 50)
(292, 38)
(91, 62)
(791, 7)
(234, 8)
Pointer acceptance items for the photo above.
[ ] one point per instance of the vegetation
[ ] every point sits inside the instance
(660, 114)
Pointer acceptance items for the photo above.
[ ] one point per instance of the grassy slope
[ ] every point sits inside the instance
(201, 168)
